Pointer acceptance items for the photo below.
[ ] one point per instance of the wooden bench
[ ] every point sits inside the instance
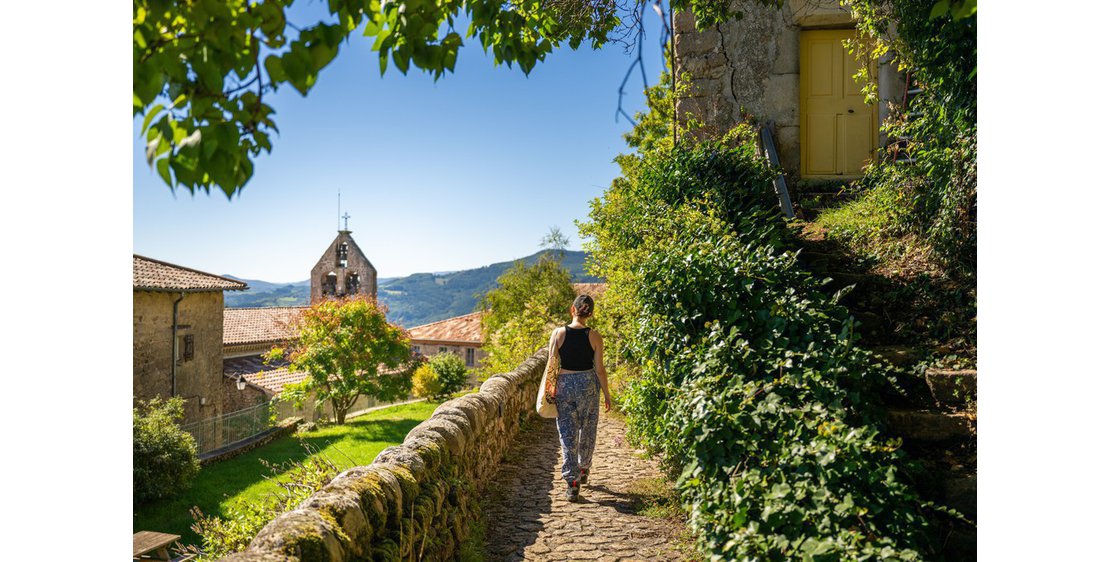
(149, 545)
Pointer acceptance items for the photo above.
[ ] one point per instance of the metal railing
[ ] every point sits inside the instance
(772, 156)
(216, 432)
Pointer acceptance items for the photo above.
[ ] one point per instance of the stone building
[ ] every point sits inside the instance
(787, 65)
(461, 335)
(248, 334)
(178, 335)
(343, 270)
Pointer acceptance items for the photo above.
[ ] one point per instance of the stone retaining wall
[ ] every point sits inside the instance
(416, 500)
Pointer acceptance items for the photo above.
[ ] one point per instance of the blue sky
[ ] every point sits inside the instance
(436, 176)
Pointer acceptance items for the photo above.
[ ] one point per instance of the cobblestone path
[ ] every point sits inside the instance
(529, 518)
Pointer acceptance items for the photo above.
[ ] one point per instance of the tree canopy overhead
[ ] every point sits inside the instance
(201, 68)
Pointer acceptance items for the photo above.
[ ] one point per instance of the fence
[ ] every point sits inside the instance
(213, 433)
(216, 432)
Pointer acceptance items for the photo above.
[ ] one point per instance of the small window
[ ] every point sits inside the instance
(184, 348)
(416, 350)
(442, 349)
(470, 357)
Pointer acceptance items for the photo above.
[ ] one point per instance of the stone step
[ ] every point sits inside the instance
(930, 426)
(899, 355)
(960, 544)
(953, 388)
(960, 493)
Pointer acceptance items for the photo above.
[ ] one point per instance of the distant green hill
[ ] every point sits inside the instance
(427, 297)
(264, 293)
(414, 300)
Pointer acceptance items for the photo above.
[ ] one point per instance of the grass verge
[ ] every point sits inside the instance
(220, 485)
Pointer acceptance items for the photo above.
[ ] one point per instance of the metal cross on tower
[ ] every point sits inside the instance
(345, 217)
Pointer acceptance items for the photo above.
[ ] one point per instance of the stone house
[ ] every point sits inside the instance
(177, 335)
(248, 334)
(787, 65)
(343, 270)
(461, 335)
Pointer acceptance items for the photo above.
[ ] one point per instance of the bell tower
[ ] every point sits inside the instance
(343, 270)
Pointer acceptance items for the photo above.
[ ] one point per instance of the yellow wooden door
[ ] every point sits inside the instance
(840, 132)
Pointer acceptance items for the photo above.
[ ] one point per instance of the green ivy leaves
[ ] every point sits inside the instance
(750, 382)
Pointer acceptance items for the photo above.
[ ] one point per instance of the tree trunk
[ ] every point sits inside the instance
(340, 411)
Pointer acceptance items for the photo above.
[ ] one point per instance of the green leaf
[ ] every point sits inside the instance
(154, 111)
(164, 171)
(274, 69)
(939, 9)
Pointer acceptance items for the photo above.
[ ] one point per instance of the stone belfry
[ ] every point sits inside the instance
(343, 270)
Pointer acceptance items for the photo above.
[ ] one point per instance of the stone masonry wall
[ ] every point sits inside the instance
(198, 379)
(418, 499)
(749, 70)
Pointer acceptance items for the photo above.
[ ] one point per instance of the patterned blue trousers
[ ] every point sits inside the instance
(576, 399)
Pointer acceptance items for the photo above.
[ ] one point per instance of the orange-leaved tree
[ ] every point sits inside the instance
(348, 348)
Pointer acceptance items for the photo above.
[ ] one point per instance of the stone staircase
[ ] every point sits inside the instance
(935, 417)
(941, 435)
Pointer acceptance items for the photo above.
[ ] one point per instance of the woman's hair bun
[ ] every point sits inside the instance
(584, 306)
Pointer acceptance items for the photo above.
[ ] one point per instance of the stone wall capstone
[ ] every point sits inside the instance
(418, 499)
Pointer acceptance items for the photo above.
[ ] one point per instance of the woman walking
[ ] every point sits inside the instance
(581, 377)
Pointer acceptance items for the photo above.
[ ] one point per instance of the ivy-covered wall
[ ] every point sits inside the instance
(417, 499)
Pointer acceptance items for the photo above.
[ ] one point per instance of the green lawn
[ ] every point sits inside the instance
(219, 485)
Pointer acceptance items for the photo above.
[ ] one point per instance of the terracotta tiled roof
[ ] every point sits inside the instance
(595, 290)
(271, 377)
(276, 380)
(154, 275)
(260, 325)
(462, 329)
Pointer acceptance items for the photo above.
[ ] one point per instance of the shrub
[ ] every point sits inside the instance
(164, 458)
(425, 383)
(450, 371)
(750, 384)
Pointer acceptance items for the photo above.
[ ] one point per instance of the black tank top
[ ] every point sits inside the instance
(576, 353)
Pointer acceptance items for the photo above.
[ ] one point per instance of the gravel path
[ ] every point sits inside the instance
(529, 518)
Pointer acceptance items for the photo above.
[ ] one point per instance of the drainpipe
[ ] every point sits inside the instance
(173, 359)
